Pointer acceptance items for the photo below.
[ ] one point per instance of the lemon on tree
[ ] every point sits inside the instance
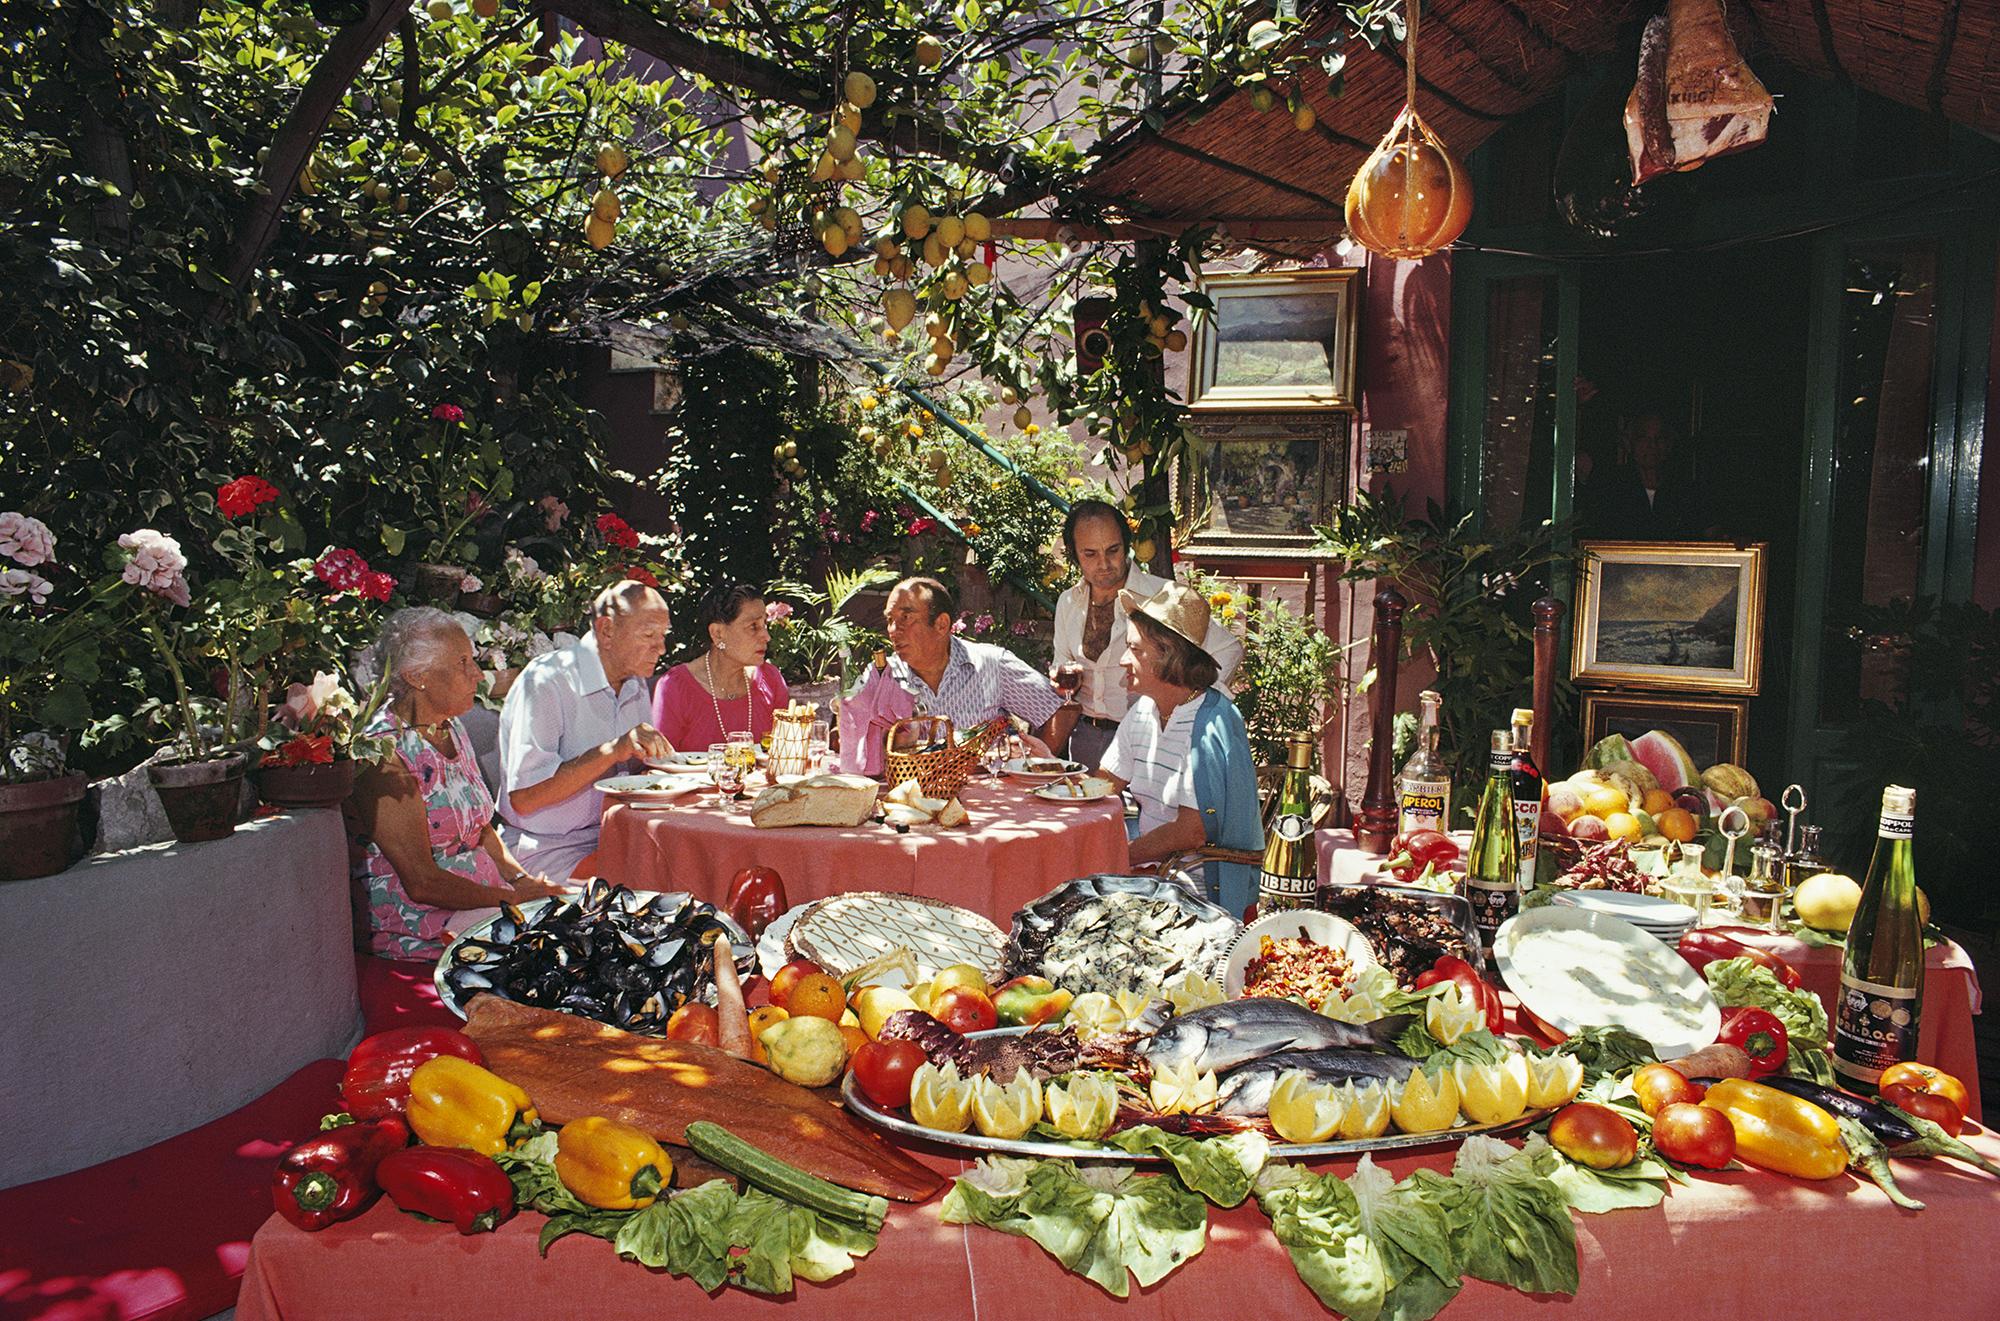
(977, 227)
(1006, 1110)
(1022, 417)
(1303, 1109)
(916, 220)
(599, 231)
(899, 308)
(1553, 1079)
(950, 231)
(440, 10)
(859, 88)
(1427, 1103)
(1364, 1110)
(1492, 1093)
(940, 1098)
(1081, 1105)
(606, 206)
(930, 51)
(978, 273)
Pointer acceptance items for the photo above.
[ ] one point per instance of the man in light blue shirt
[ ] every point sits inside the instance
(971, 682)
(576, 715)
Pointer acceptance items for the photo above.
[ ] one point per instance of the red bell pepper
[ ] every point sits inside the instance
(756, 897)
(330, 1177)
(465, 1188)
(1759, 1034)
(1701, 948)
(1411, 854)
(377, 1082)
(1476, 990)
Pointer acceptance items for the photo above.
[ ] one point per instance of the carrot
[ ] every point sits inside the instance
(732, 1021)
(1717, 1061)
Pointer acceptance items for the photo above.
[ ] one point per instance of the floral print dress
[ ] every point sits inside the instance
(459, 808)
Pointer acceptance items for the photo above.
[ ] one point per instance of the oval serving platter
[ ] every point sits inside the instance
(889, 1121)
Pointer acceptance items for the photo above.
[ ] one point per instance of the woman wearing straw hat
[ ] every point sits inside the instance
(1181, 748)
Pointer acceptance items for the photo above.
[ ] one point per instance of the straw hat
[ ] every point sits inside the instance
(1180, 610)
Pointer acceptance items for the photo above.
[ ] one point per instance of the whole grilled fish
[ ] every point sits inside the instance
(1247, 1091)
(1221, 1037)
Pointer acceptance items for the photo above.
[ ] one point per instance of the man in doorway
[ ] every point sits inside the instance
(971, 682)
(1090, 623)
(576, 715)
(1649, 496)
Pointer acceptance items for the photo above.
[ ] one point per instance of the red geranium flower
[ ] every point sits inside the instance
(305, 750)
(919, 526)
(638, 573)
(239, 497)
(377, 587)
(617, 532)
(448, 413)
(342, 569)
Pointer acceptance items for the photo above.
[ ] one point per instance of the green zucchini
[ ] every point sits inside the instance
(754, 1165)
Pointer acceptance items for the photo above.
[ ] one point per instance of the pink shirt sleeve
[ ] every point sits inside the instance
(681, 711)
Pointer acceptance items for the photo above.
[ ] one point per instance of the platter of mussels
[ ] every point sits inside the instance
(628, 958)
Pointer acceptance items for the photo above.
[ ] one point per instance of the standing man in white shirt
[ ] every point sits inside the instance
(1090, 623)
(576, 715)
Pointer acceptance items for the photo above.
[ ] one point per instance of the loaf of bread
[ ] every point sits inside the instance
(820, 800)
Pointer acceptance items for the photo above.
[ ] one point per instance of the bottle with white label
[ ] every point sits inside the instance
(1882, 977)
(1524, 779)
(1425, 788)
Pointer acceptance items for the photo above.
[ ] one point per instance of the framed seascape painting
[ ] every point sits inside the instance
(1712, 729)
(1276, 341)
(1670, 616)
(1263, 484)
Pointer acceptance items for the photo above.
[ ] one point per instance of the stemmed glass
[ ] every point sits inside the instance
(742, 754)
(723, 772)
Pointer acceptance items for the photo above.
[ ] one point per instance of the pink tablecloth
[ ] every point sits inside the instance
(1951, 984)
(1740, 1244)
(1015, 849)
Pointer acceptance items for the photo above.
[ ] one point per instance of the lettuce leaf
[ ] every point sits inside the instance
(1509, 1222)
(697, 1233)
(1743, 981)
(1636, 1185)
(1105, 1222)
(1479, 1045)
(1605, 1051)
(1220, 1168)
(1318, 1220)
(1415, 1245)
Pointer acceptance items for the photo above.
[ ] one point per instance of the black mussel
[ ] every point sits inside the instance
(583, 1000)
(467, 981)
(632, 945)
(511, 922)
(478, 952)
(595, 896)
(560, 917)
(664, 953)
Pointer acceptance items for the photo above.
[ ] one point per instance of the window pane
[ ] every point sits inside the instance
(1882, 443)
(1517, 450)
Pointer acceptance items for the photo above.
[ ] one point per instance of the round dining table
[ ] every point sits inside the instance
(1014, 849)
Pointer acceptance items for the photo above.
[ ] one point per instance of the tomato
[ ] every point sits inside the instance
(1595, 1136)
(1694, 1135)
(963, 1009)
(788, 976)
(1660, 1085)
(883, 1069)
(1926, 1078)
(1937, 1107)
(694, 1021)
(816, 995)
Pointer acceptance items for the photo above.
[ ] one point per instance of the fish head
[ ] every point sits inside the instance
(1177, 1045)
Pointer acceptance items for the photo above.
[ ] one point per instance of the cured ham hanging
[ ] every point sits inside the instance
(1695, 98)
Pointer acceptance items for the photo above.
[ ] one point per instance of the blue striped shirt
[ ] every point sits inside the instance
(980, 682)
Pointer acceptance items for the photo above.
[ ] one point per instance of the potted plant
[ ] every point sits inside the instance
(817, 654)
(1289, 669)
(324, 739)
(49, 653)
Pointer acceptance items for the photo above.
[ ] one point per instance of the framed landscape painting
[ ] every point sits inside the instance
(1670, 616)
(1276, 341)
(1262, 484)
(1712, 729)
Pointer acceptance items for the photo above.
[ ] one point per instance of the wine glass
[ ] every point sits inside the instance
(817, 743)
(1068, 678)
(723, 772)
(742, 753)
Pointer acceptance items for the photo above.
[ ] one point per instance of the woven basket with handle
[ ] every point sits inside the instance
(927, 749)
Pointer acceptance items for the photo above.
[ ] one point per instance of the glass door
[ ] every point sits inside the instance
(1513, 406)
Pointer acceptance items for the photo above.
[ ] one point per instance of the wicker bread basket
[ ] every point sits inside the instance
(944, 763)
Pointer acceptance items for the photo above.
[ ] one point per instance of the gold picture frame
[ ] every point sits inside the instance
(1275, 341)
(1670, 617)
(1712, 729)
(1258, 484)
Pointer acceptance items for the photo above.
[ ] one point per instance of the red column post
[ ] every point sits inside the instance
(1375, 826)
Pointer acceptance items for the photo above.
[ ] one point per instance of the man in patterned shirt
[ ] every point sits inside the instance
(971, 682)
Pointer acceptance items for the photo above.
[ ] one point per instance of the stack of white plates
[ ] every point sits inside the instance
(1656, 917)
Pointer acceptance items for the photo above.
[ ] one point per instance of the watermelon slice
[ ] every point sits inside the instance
(1662, 754)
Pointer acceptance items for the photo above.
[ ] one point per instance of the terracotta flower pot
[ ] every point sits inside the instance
(201, 798)
(38, 834)
(438, 584)
(484, 604)
(317, 784)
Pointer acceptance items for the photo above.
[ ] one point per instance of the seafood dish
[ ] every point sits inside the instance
(1120, 933)
(843, 932)
(1297, 968)
(1236, 1032)
(610, 954)
(1042, 1054)
(1408, 929)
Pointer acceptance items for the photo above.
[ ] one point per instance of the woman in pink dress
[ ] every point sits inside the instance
(730, 686)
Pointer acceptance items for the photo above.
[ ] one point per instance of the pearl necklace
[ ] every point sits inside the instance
(749, 699)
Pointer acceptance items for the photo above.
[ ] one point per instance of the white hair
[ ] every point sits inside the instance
(412, 641)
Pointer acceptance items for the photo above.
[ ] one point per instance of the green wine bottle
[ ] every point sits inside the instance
(1882, 977)
(1493, 870)
(1290, 874)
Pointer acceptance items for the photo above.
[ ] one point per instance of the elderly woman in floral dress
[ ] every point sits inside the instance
(421, 831)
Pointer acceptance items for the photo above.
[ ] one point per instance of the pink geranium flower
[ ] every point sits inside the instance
(25, 540)
(22, 582)
(554, 512)
(156, 565)
(448, 413)
(777, 610)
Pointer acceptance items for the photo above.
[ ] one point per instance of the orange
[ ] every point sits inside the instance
(1605, 801)
(1657, 801)
(816, 995)
(1676, 823)
(761, 1017)
(854, 1037)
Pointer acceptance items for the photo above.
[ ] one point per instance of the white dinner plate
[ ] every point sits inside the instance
(1087, 790)
(655, 788)
(1023, 768)
(1574, 968)
(680, 761)
(1322, 928)
(1642, 910)
(771, 954)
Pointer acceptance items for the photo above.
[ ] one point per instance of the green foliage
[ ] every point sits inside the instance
(1468, 589)
(1289, 672)
(818, 646)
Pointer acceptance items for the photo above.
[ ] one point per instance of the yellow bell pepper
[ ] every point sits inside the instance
(455, 1103)
(1778, 1131)
(609, 1164)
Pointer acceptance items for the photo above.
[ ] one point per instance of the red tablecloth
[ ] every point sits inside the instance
(1729, 1246)
(1015, 850)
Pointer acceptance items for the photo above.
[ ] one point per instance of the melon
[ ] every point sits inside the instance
(1662, 754)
